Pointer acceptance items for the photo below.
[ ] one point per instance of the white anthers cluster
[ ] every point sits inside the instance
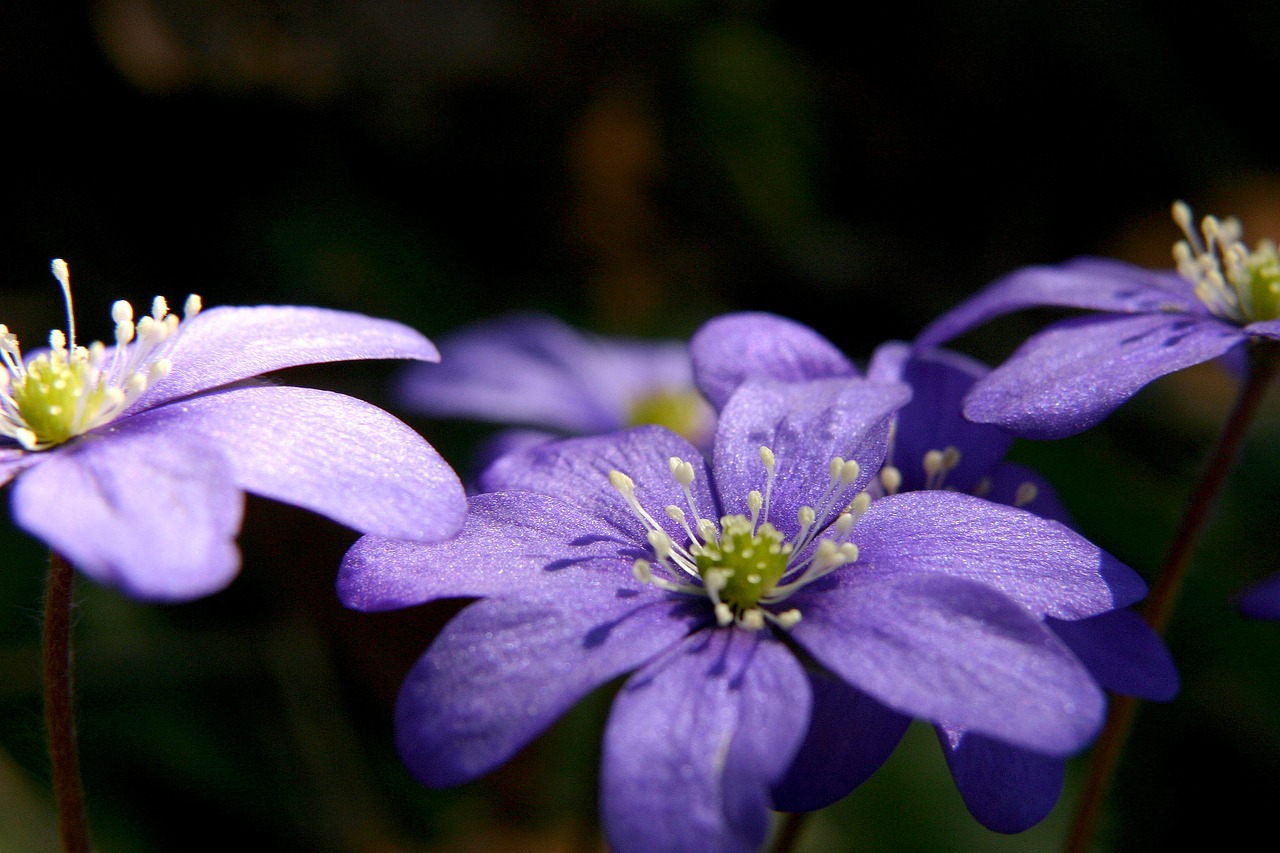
(1233, 282)
(743, 564)
(72, 389)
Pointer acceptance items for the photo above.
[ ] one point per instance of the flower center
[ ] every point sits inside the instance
(743, 564)
(683, 412)
(71, 389)
(1233, 282)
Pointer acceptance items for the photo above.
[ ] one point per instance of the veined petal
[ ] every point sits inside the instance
(510, 541)
(932, 420)
(730, 349)
(1043, 565)
(850, 736)
(1073, 374)
(955, 651)
(806, 424)
(696, 739)
(153, 513)
(1006, 788)
(576, 470)
(326, 452)
(227, 344)
(1123, 654)
(505, 668)
(1090, 283)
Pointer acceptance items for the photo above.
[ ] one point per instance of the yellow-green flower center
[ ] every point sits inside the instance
(70, 390)
(683, 412)
(1233, 282)
(744, 565)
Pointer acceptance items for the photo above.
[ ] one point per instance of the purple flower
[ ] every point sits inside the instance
(752, 597)
(132, 460)
(1074, 373)
(1262, 600)
(534, 371)
(1007, 787)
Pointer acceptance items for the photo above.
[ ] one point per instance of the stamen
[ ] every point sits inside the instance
(1025, 494)
(890, 479)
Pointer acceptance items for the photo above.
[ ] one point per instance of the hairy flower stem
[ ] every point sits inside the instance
(789, 831)
(59, 720)
(1264, 361)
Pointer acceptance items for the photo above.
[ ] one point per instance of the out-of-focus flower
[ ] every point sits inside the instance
(1074, 373)
(131, 460)
(602, 555)
(933, 447)
(532, 370)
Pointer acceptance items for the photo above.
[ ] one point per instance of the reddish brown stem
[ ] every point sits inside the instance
(1264, 360)
(59, 718)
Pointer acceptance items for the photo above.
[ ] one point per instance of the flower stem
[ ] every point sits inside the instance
(59, 720)
(1264, 360)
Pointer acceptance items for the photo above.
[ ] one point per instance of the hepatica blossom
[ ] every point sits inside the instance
(932, 447)
(1074, 373)
(131, 460)
(531, 370)
(751, 597)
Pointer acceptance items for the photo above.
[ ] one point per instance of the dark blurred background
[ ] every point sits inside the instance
(633, 168)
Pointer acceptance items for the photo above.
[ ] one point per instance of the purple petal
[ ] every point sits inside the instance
(227, 344)
(1262, 600)
(12, 461)
(510, 542)
(850, 735)
(1073, 374)
(153, 513)
(508, 441)
(695, 740)
(576, 470)
(326, 452)
(1091, 283)
(1010, 484)
(1041, 564)
(735, 347)
(505, 668)
(1265, 329)
(535, 370)
(1006, 788)
(932, 420)
(806, 424)
(952, 651)
(1123, 654)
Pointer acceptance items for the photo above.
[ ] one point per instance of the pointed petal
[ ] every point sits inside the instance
(932, 420)
(1090, 283)
(1041, 564)
(329, 453)
(1262, 600)
(1006, 788)
(511, 541)
(505, 668)
(955, 651)
(1123, 654)
(735, 347)
(1073, 374)
(576, 470)
(151, 512)
(694, 741)
(806, 424)
(850, 735)
(227, 344)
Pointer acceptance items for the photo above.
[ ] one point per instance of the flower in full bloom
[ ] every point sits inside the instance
(749, 596)
(131, 460)
(532, 370)
(932, 446)
(1075, 372)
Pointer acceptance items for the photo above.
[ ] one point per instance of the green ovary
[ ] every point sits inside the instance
(751, 563)
(1264, 284)
(49, 397)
